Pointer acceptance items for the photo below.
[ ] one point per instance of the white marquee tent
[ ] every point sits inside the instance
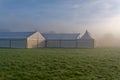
(36, 40)
(86, 41)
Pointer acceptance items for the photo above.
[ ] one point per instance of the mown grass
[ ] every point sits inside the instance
(59, 64)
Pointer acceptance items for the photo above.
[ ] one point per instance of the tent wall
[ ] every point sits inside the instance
(32, 44)
(18, 43)
(68, 43)
(13, 43)
(36, 40)
(61, 43)
(53, 43)
(4, 43)
(85, 43)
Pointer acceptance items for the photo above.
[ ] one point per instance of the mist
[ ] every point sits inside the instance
(104, 32)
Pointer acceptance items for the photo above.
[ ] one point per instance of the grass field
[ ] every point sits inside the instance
(59, 64)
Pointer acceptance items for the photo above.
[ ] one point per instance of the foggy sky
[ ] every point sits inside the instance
(97, 16)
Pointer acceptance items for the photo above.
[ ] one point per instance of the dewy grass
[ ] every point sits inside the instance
(59, 64)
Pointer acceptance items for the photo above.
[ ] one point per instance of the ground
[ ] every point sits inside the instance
(59, 64)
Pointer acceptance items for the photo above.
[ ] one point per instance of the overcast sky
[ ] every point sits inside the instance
(98, 16)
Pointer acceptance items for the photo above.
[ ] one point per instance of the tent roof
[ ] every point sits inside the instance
(15, 35)
(68, 36)
(86, 35)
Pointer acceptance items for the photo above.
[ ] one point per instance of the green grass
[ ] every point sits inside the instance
(59, 64)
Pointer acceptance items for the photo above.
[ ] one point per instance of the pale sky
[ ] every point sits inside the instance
(98, 16)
